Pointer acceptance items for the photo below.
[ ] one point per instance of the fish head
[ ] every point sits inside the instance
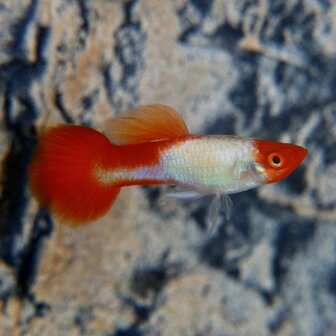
(277, 159)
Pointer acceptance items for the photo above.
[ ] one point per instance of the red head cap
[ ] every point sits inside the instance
(278, 159)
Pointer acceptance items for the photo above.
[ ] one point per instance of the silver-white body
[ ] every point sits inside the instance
(213, 164)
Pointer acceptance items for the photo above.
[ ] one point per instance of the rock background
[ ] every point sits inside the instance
(255, 68)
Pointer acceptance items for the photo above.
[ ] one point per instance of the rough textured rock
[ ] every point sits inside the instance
(255, 68)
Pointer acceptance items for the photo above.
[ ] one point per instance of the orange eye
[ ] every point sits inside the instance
(276, 160)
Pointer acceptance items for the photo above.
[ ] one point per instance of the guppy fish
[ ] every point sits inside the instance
(76, 172)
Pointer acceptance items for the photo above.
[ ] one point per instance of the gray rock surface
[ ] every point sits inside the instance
(254, 68)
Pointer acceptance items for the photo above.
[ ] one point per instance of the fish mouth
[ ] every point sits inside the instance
(301, 153)
(295, 157)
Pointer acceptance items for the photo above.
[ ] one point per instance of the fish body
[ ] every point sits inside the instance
(77, 172)
(208, 164)
(213, 164)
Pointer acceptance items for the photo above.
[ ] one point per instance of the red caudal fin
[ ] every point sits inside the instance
(146, 123)
(61, 174)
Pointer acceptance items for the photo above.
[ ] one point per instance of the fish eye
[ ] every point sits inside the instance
(275, 160)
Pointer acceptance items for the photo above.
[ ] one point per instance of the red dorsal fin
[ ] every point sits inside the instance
(145, 124)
